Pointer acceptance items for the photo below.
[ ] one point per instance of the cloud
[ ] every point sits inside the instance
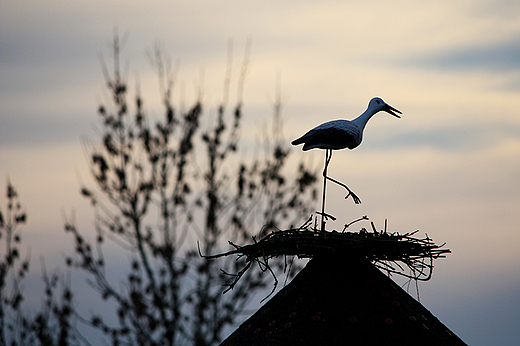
(24, 130)
(453, 138)
(493, 57)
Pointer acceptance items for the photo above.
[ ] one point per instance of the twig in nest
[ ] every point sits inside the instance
(236, 277)
(347, 225)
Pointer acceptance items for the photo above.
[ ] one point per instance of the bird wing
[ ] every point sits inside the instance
(330, 136)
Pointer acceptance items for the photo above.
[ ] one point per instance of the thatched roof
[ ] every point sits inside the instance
(340, 299)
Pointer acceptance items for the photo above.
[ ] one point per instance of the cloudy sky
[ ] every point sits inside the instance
(450, 167)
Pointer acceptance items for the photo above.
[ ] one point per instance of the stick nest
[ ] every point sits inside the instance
(395, 253)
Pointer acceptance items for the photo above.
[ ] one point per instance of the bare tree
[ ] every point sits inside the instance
(154, 194)
(12, 271)
(54, 322)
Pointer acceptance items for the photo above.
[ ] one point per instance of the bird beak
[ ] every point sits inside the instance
(391, 110)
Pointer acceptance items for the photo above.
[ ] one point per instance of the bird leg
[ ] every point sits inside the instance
(324, 216)
(328, 157)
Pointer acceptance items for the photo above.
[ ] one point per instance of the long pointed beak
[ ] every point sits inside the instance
(391, 110)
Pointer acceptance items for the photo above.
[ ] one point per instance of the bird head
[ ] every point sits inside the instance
(377, 104)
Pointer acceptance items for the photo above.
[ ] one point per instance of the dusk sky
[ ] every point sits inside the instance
(450, 167)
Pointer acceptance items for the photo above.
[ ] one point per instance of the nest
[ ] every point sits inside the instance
(395, 253)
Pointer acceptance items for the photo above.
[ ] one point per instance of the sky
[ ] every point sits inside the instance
(450, 167)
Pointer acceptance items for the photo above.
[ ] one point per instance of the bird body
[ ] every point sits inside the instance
(335, 134)
(341, 134)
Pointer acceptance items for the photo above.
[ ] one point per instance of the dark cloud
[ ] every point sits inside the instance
(453, 138)
(495, 57)
(21, 50)
(22, 130)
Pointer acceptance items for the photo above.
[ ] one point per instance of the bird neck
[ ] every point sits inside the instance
(363, 119)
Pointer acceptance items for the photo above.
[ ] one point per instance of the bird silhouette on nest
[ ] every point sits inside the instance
(341, 134)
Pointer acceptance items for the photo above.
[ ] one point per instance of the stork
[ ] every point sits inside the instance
(341, 134)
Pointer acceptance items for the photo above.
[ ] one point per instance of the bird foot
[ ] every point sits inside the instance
(350, 193)
(327, 216)
(354, 197)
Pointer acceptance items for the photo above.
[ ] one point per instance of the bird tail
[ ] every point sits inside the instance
(297, 141)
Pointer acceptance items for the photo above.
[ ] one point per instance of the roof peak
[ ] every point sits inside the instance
(338, 299)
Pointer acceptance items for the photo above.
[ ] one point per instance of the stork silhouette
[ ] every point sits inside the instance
(341, 134)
